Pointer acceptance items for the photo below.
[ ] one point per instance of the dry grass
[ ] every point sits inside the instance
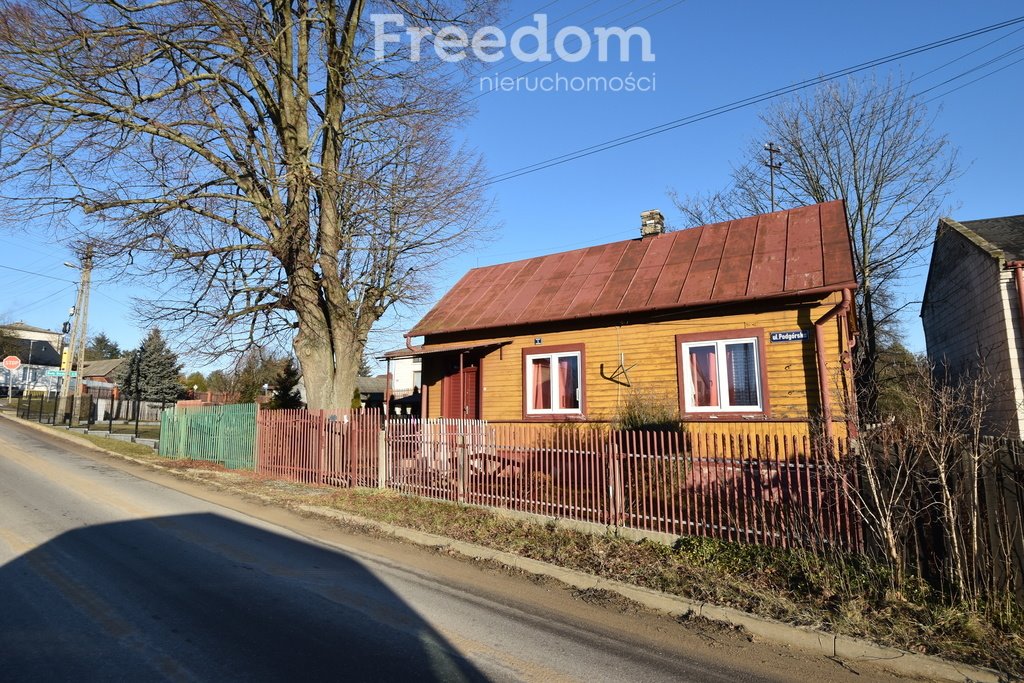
(135, 450)
(838, 594)
(835, 594)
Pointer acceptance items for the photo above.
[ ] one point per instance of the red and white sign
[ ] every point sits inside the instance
(12, 362)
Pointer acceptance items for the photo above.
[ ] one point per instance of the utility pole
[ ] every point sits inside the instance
(772, 167)
(79, 331)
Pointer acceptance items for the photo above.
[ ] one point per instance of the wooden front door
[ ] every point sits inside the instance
(461, 392)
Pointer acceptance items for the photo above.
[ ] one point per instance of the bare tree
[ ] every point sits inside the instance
(871, 144)
(258, 160)
(9, 344)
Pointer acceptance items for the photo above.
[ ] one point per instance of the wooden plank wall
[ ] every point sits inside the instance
(649, 352)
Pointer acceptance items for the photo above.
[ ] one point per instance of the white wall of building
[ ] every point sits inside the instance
(405, 375)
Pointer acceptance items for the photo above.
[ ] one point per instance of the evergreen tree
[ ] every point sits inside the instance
(250, 376)
(102, 347)
(364, 367)
(156, 367)
(127, 375)
(285, 393)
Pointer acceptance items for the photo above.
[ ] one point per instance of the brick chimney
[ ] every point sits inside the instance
(651, 223)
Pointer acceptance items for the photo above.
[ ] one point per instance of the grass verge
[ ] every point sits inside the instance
(135, 450)
(839, 594)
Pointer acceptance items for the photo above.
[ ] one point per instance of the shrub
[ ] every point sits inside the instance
(645, 408)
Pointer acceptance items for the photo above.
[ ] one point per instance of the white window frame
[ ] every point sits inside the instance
(553, 357)
(723, 374)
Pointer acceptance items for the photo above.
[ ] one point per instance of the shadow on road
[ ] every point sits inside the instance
(203, 597)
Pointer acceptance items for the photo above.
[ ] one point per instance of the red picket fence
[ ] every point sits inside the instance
(320, 447)
(770, 490)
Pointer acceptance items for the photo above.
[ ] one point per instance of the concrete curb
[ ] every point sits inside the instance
(831, 645)
(828, 644)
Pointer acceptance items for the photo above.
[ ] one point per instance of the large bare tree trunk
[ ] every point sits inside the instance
(291, 181)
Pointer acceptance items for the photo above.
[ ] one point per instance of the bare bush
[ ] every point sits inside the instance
(646, 408)
(938, 497)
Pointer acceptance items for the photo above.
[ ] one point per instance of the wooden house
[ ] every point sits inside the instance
(743, 326)
(973, 312)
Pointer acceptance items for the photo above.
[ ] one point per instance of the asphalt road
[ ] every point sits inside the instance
(110, 571)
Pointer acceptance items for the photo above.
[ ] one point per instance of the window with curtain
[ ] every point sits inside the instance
(553, 383)
(722, 376)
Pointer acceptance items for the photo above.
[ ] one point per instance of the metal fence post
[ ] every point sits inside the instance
(463, 461)
(615, 507)
(382, 457)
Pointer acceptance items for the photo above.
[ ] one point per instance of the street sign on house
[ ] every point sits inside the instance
(12, 363)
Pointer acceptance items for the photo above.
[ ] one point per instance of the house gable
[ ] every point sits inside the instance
(970, 319)
(949, 229)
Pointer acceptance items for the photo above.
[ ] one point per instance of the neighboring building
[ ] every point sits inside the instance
(99, 376)
(736, 323)
(372, 390)
(39, 350)
(35, 345)
(406, 375)
(972, 311)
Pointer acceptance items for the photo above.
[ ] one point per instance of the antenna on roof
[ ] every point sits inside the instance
(772, 166)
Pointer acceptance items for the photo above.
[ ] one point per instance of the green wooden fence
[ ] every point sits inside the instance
(224, 434)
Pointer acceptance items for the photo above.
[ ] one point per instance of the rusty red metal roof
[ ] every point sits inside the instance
(416, 351)
(786, 253)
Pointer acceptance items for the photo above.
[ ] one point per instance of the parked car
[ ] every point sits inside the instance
(15, 392)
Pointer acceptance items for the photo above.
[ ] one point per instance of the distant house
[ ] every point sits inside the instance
(734, 324)
(38, 349)
(101, 375)
(406, 375)
(372, 390)
(972, 311)
(34, 345)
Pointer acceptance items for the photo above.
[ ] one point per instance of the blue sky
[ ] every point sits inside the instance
(707, 53)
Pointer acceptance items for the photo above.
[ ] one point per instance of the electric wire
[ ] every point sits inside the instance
(742, 103)
(975, 80)
(29, 272)
(35, 304)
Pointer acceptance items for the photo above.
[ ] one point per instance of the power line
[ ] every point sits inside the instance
(28, 307)
(974, 80)
(743, 103)
(29, 272)
(995, 59)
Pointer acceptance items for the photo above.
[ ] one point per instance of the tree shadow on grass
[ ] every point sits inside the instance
(203, 597)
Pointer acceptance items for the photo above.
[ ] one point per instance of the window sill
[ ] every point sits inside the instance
(555, 417)
(727, 415)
